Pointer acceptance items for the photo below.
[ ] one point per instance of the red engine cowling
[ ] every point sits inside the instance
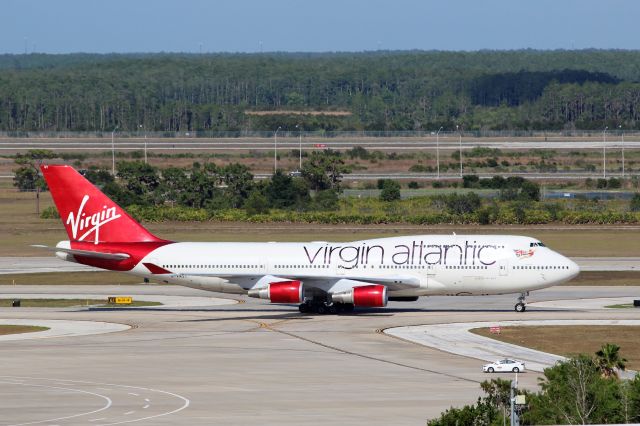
(369, 296)
(280, 292)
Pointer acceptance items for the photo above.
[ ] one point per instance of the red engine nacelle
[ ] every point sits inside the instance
(280, 292)
(369, 296)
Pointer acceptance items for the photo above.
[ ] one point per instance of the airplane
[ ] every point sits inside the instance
(322, 277)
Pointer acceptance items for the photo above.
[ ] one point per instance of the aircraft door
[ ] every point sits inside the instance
(503, 266)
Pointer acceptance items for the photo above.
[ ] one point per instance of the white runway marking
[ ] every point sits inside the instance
(64, 384)
(106, 406)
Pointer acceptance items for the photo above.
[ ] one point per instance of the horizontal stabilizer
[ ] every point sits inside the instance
(86, 253)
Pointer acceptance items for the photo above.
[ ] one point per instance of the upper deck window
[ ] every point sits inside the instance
(536, 244)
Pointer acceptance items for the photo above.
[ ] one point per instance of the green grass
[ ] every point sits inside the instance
(67, 303)
(621, 306)
(18, 329)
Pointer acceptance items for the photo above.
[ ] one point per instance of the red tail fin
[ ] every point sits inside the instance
(88, 214)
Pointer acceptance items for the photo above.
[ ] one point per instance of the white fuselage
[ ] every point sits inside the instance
(408, 266)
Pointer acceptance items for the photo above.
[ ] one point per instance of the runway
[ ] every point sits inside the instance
(254, 363)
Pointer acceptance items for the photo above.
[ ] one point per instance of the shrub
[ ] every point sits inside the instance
(50, 213)
(390, 191)
(470, 181)
(256, 203)
(634, 205)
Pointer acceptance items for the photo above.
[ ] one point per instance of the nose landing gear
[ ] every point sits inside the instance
(521, 306)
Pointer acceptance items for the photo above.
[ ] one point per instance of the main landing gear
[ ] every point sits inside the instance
(322, 307)
(521, 306)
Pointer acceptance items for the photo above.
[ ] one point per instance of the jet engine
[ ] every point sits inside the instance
(370, 296)
(280, 292)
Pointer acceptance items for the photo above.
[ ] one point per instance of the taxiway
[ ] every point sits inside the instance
(253, 362)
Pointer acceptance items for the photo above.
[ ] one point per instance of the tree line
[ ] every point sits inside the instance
(408, 90)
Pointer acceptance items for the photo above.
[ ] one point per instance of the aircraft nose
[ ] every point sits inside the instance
(574, 269)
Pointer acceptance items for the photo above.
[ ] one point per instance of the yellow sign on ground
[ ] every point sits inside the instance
(120, 300)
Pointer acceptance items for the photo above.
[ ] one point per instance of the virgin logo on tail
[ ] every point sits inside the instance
(81, 222)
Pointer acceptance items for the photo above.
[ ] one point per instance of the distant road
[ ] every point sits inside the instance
(267, 144)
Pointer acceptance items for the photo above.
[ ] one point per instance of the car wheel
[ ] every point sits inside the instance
(490, 370)
(516, 370)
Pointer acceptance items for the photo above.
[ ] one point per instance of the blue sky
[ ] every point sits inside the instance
(64, 26)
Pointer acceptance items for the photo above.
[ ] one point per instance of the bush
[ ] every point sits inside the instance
(614, 183)
(470, 181)
(50, 213)
(256, 203)
(325, 200)
(460, 204)
(414, 185)
(634, 205)
(390, 191)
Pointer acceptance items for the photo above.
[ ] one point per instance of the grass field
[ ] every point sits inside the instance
(614, 278)
(76, 278)
(17, 329)
(572, 340)
(67, 303)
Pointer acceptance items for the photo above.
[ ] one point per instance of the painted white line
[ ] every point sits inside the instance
(129, 412)
(106, 406)
(185, 401)
(147, 400)
(97, 420)
(134, 394)
(146, 406)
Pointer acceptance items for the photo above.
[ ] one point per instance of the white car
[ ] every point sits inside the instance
(504, 365)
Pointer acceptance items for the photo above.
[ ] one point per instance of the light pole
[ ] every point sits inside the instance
(275, 150)
(145, 142)
(604, 152)
(113, 153)
(622, 134)
(460, 143)
(438, 151)
(300, 149)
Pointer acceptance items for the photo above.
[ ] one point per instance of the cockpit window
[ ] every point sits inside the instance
(536, 244)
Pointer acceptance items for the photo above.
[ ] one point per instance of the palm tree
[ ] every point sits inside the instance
(609, 360)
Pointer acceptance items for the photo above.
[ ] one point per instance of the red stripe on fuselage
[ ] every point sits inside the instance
(137, 251)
